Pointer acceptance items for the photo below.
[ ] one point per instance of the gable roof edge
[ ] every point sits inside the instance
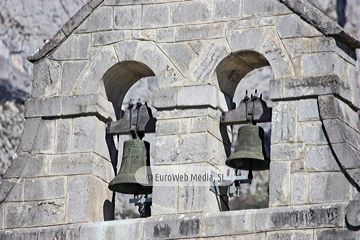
(320, 21)
(65, 30)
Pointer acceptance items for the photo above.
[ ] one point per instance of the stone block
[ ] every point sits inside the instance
(291, 26)
(320, 158)
(181, 54)
(190, 12)
(279, 183)
(165, 35)
(227, 223)
(87, 104)
(256, 236)
(19, 234)
(227, 9)
(173, 227)
(105, 38)
(336, 234)
(45, 107)
(296, 47)
(347, 155)
(45, 137)
(84, 129)
(308, 110)
(155, 16)
(352, 213)
(168, 127)
(74, 47)
(101, 147)
(64, 135)
(291, 235)
(165, 200)
(328, 187)
(207, 31)
(287, 152)
(340, 132)
(32, 214)
(29, 134)
(11, 190)
(204, 95)
(312, 133)
(46, 79)
(299, 189)
(332, 107)
(189, 195)
(121, 230)
(166, 98)
(125, 50)
(70, 232)
(245, 39)
(75, 20)
(71, 71)
(44, 188)
(2, 216)
(94, 3)
(100, 19)
(263, 7)
(127, 17)
(284, 115)
(147, 34)
(322, 64)
(311, 216)
(297, 166)
(26, 166)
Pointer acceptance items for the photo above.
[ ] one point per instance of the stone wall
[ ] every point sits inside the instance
(198, 51)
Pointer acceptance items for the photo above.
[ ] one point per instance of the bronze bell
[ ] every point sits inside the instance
(249, 152)
(136, 154)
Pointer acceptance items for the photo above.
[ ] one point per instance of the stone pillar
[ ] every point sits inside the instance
(187, 134)
(62, 168)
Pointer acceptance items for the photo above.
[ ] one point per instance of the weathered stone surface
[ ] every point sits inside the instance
(299, 189)
(100, 19)
(27, 234)
(165, 35)
(171, 227)
(84, 134)
(279, 183)
(297, 166)
(75, 20)
(46, 79)
(353, 213)
(146, 34)
(165, 200)
(312, 216)
(71, 164)
(322, 64)
(291, 235)
(122, 230)
(104, 38)
(256, 236)
(11, 190)
(155, 15)
(166, 98)
(308, 110)
(332, 107)
(34, 213)
(195, 32)
(347, 155)
(44, 107)
(312, 133)
(168, 127)
(70, 232)
(127, 17)
(204, 95)
(64, 135)
(44, 188)
(226, 9)
(328, 187)
(74, 47)
(284, 117)
(320, 158)
(28, 138)
(2, 216)
(263, 7)
(190, 12)
(227, 223)
(126, 50)
(339, 132)
(335, 234)
(314, 86)
(26, 166)
(287, 152)
(127, 2)
(94, 3)
(291, 26)
(45, 137)
(247, 39)
(71, 71)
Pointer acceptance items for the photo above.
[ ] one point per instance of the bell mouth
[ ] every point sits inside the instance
(130, 188)
(244, 164)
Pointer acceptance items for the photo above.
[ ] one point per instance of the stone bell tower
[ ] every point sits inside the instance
(199, 51)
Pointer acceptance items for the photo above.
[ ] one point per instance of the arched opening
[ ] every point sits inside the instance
(124, 81)
(238, 72)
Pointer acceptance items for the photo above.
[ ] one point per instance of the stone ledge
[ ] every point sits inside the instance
(244, 222)
(89, 104)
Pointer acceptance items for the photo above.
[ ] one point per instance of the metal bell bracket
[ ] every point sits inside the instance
(144, 204)
(141, 116)
(240, 115)
(233, 184)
